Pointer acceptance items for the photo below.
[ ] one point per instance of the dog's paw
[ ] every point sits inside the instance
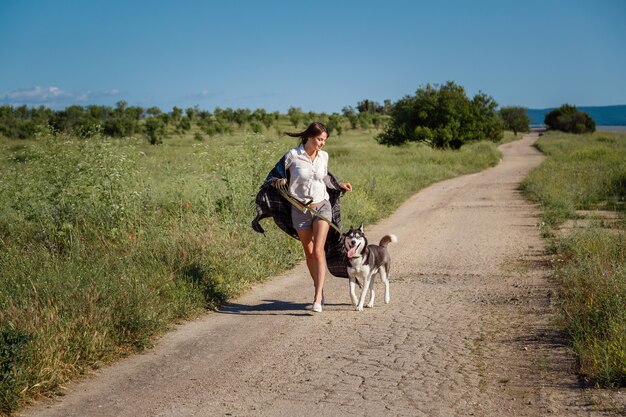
(370, 305)
(387, 300)
(359, 308)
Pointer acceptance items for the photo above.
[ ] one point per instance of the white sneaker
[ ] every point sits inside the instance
(317, 307)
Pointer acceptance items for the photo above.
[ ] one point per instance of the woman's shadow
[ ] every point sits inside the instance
(268, 307)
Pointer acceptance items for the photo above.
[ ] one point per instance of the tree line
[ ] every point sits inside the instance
(123, 120)
(442, 116)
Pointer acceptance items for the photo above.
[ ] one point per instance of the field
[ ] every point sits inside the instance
(105, 243)
(583, 183)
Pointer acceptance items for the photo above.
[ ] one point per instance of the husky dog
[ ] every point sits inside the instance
(367, 261)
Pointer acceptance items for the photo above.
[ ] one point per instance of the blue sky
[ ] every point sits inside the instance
(317, 55)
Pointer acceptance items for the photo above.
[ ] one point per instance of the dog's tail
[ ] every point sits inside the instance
(387, 239)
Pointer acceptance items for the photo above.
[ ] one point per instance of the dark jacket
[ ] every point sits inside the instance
(270, 203)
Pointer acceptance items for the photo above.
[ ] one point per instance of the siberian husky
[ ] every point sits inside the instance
(367, 261)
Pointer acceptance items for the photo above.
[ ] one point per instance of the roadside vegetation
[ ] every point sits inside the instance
(515, 119)
(105, 242)
(569, 119)
(442, 116)
(582, 183)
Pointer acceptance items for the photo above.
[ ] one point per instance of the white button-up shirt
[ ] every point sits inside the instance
(307, 177)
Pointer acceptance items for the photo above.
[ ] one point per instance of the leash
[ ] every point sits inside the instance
(303, 206)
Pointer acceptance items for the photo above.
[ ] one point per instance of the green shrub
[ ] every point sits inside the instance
(569, 119)
(443, 117)
(155, 130)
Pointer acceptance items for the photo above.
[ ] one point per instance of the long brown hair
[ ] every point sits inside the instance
(314, 129)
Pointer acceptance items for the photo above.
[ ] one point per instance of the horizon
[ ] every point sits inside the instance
(320, 59)
(166, 110)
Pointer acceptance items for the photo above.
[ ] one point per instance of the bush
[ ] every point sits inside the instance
(119, 127)
(155, 130)
(569, 119)
(443, 117)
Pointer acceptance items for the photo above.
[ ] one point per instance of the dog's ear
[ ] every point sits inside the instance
(361, 228)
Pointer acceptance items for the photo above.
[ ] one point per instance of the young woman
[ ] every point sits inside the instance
(307, 175)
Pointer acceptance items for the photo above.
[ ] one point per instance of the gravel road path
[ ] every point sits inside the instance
(469, 329)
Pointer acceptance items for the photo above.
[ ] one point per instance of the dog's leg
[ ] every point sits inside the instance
(372, 294)
(385, 277)
(366, 285)
(352, 286)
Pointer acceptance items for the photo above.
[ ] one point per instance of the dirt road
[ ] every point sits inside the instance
(468, 330)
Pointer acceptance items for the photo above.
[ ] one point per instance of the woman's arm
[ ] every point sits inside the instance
(346, 186)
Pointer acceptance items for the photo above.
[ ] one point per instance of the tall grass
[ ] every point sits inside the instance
(581, 172)
(104, 243)
(588, 172)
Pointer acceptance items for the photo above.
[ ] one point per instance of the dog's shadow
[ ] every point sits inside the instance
(268, 307)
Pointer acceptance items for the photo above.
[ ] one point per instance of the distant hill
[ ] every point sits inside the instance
(603, 115)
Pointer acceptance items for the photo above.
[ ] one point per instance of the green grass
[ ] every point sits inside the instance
(588, 172)
(581, 172)
(105, 243)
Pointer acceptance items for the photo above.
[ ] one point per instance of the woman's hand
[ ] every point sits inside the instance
(346, 186)
(279, 182)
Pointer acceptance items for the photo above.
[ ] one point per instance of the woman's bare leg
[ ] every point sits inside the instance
(313, 241)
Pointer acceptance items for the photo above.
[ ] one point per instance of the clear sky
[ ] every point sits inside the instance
(317, 55)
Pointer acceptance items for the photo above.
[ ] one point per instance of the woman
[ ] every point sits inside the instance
(305, 169)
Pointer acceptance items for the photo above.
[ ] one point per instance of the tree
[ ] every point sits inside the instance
(295, 116)
(135, 112)
(369, 106)
(365, 119)
(119, 127)
(121, 105)
(153, 111)
(18, 123)
(122, 121)
(515, 119)
(386, 106)
(568, 118)
(184, 125)
(191, 112)
(224, 115)
(350, 114)
(242, 116)
(155, 130)
(334, 124)
(443, 117)
(260, 115)
(177, 112)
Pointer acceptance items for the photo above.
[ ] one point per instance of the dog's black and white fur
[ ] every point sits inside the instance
(367, 261)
